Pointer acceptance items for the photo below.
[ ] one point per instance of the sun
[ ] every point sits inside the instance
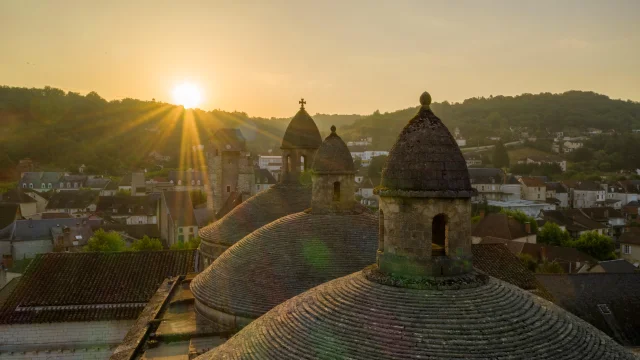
(187, 95)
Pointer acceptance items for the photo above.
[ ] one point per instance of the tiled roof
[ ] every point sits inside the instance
(560, 254)
(354, 317)
(180, 207)
(602, 213)
(557, 187)
(91, 286)
(280, 200)
(610, 302)
(333, 156)
(532, 182)
(234, 199)
(582, 185)
(426, 158)
(618, 266)
(499, 226)
(572, 219)
(128, 205)
(285, 258)
(630, 237)
(301, 133)
(486, 175)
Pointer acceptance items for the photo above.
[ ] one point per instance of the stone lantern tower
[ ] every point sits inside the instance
(425, 202)
(299, 145)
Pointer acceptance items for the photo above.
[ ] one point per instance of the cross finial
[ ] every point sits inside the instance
(302, 102)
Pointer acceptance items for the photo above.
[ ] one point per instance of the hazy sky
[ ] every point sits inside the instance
(342, 56)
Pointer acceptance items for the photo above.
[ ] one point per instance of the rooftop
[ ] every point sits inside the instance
(499, 226)
(333, 156)
(302, 132)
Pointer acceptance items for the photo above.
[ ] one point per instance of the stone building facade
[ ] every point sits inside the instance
(230, 169)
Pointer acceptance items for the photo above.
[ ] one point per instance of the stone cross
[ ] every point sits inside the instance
(302, 102)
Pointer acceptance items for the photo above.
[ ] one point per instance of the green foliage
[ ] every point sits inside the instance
(357, 163)
(376, 165)
(4, 187)
(475, 219)
(599, 246)
(522, 218)
(500, 157)
(106, 242)
(146, 243)
(191, 244)
(123, 192)
(198, 197)
(550, 170)
(528, 261)
(551, 234)
(549, 267)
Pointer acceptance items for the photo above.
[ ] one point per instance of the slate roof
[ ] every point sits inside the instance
(203, 216)
(618, 266)
(279, 200)
(557, 187)
(97, 183)
(128, 205)
(581, 294)
(499, 226)
(234, 199)
(562, 255)
(486, 175)
(333, 156)
(72, 199)
(573, 220)
(264, 176)
(354, 317)
(301, 133)
(16, 196)
(8, 214)
(112, 185)
(24, 230)
(231, 137)
(582, 185)
(180, 207)
(631, 186)
(426, 158)
(60, 287)
(285, 258)
(602, 214)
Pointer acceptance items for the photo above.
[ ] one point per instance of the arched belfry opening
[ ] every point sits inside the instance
(288, 164)
(439, 230)
(336, 191)
(303, 163)
(381, 231)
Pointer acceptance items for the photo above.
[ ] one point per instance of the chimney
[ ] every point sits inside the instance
(527, 227)
(481, 214)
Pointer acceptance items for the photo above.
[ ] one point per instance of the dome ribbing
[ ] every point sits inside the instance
(426, 160)
(333, 156)
(356, 318)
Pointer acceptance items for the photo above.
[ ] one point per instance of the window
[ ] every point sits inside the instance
(193, 182)
(439, 231)
(336, 191)
(49, 185)
(180, 238)
(288, 163)
(68, 185)
(604, 309)
(228, 188)
(198, 182)
(626, 249)
(43, 185)
(30, 186)
(303, 163)
(24, 185)
(482, 187)
(180, 230)
(257, 187)
(538, 196)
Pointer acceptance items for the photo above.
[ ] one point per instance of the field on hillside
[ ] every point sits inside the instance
(521, 152)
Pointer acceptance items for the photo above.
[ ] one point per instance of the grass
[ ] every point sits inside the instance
(522, 152)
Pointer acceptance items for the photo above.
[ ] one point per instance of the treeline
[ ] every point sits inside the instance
(542, 115)
(607, 153)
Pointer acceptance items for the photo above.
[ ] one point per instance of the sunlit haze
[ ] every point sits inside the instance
(187, 95)
(342, 56)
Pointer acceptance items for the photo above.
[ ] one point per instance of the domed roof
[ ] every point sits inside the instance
(357, 317)
(280, 200)
(426, 161)
(285, 258)
(302, 132)
(333, 156)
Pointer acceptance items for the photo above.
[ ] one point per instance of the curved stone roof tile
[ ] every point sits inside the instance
(426, 158)
(333, 156)
(286, 258)
(356, 318)
(302, 132)
(280, 200)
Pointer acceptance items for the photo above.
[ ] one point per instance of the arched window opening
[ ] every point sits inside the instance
(439, 229)
(288, 164)
(336, 191)
(381, 232)
(303, 163)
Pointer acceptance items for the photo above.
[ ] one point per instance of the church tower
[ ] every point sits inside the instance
(299, 145)
(425, 202)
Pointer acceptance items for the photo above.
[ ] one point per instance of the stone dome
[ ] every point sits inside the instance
(281, 260)
(426, 160)
(280, 200)
(333, 156)
(302, 132)
(359, 316)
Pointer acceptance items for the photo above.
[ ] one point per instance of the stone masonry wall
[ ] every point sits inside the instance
(323, 188)
(406, 230)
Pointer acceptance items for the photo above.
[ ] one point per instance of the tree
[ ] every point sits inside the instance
(376, 165)
(357, 163)
(599, 246)
(549, 267)
(105, 242)
(528, 261)
(551, 234)
(522, 218)
(190, 244)
(500, 158)
(146, 243)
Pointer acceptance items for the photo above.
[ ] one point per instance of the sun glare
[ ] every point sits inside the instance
(187, 95)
